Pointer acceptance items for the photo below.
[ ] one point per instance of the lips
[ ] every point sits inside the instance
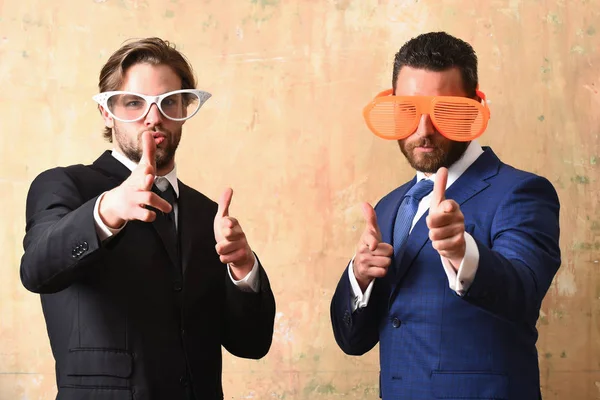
(425, 149)
(159, 137)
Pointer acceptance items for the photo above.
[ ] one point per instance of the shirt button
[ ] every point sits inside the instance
(396, 323)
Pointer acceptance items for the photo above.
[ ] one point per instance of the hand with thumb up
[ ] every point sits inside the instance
(373, 257)
(446, 222)
(232, 246)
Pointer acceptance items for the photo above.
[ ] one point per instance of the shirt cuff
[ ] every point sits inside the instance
(249, 283)
(360, 299)
(461, 281)
(103, 231)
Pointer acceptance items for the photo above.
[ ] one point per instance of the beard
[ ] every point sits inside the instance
(165, 152)
(445, 153)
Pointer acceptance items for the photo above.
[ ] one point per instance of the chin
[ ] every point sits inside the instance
(426, 165)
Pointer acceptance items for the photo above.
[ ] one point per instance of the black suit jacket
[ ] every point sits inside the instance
(124, 321)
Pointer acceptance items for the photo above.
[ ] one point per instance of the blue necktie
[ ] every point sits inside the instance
(406, 214)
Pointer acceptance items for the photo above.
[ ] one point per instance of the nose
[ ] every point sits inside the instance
(425, 127)
(154, 116)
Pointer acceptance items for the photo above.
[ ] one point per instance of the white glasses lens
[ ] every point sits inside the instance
(126, 106)
(180, 105)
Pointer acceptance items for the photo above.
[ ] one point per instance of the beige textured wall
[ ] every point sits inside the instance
(284, 129)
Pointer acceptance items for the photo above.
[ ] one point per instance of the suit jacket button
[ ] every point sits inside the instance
(177, 286)
(396, 323)
(183, 381)
(347, 318)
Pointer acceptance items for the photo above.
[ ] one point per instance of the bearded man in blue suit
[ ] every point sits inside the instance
(452, 267)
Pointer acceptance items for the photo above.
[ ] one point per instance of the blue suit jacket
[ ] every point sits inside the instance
(435, 344)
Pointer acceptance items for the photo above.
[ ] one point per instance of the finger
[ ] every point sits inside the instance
(237, 257)
(148, 150)
(226, 247)
(449, 206)
(369, 241)
(376, 261)
(224, 202)
(231, 234)
(147, 182)
(376, 272)
(229, 222)
(439, 188)
(153, 200)
(446, 232)
(143, 214)
(449, 245)
(370, 217)
(383, 249)
(442, 219)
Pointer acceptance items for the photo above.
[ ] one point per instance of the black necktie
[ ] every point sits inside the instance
(166, 191)
(165, 222)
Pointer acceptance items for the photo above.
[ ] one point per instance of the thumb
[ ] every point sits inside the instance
(370, 217)
(148, 150)
(439, 188)
(224, 202)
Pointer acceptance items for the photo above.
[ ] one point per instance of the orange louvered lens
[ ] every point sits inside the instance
(397, 117)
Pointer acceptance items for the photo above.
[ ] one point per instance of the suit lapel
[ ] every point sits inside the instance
(386, 216)
(469, 184)
(195, 224)
(111, 167)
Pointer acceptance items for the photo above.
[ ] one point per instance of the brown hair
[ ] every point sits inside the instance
(152, 51)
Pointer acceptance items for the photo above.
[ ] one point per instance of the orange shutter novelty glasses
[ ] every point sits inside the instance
(397, 117)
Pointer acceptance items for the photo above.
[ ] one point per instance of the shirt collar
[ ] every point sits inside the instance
(471, 154)
(171, 176)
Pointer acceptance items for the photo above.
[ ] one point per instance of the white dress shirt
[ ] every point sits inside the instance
(249, 283)
(458, 281)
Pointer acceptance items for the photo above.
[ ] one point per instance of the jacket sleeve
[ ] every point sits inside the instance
(60, 235)
(355, 332)
(249, 318)
(514, 275)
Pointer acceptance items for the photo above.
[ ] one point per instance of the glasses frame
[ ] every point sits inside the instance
(425, 105)
(102, 100)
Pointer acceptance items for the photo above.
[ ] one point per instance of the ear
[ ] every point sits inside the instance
(477, 98)
(108, 120)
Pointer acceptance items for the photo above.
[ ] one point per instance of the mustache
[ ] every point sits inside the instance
(424, 142)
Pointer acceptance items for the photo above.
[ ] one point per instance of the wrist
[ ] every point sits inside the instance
(457, 259)
(239, 270)
(106, 215)
(363, 282)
